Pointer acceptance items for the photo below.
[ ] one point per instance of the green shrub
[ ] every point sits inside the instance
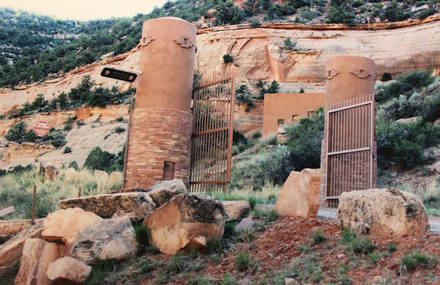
(100, 160)
(391, 247)
(74, 165)
(214, 245)
(143, 235)
(252, 202)
(306, 268)
(242, 261)
(358, 244)
(404, 143)
(67, 150)
(318, 236)
(304, 142)
(340, 12)
(244, 97)
(177, 264)
(289, 44)
(19, 134)
(255, 23)
(227, 58)
(229, 280)
(416, 259)
(119, 130)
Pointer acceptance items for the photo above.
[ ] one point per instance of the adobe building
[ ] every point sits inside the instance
(286, 108)
(159, 145)
(348, 156)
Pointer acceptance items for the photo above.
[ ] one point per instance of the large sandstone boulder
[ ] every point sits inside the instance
(11, 250)
(68, 270)
(10, 228)
(183, 218)
(107, 239)
(37, 255)
(64, 225)
(162, 191)
(135, 205)
(383, 212)
(300, 194)
(236, 210)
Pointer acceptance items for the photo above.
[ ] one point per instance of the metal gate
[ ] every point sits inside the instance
(211, 145)
(350, 147)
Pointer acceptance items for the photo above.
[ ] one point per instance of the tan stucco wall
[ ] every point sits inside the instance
(284, 105)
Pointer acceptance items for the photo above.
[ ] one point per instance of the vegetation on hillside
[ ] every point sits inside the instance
(16, 188)
(86, 93)
(399, 143)
(34, 47)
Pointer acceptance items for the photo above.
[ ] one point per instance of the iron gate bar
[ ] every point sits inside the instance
(350, 144)
(211, 146)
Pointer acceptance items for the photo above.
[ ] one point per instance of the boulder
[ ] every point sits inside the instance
(383, 212)
(68, 270)
(247, 224)
(10, 228)
(11, 250)
(64, 225)
(37, 255)
(236, 210)
(162, 191)
(431, 154)
(135, 205)
(300, 194)
(106, 239)
(184, 218)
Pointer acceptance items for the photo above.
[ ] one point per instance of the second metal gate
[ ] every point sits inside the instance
(211, 145)
(350, 147)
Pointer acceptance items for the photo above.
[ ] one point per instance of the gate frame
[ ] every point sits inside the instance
(214, 80)
(334, 108)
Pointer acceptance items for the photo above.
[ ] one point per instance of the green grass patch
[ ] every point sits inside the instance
(416, 259)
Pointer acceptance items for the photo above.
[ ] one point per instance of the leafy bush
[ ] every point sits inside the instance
(244, 97)
(358, 244)
(404, 143)
(340, 12)
(227, 58)
(404, 85)
(318, 236)
(255, 23)
(304, 141)
(227, 13)
(119, 130)
(103, 160)
(289, 44)
(67, 150)
(416, 259)
(19, 134)
(242, 261)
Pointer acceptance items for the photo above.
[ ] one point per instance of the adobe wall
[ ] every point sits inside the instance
(161, 123)
(285, 105)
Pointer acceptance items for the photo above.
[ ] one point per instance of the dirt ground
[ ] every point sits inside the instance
(287, 244)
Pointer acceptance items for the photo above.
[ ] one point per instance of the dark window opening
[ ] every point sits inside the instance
(280, 122)
(295, 117)
(168, 170)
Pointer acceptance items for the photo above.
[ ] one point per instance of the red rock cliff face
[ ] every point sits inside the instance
(260, 54)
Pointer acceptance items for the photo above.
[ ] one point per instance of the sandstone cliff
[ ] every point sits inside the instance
(259, 54)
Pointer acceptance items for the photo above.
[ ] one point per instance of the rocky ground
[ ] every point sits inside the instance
(287, 248)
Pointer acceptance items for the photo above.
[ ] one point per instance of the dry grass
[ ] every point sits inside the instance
(16, 188)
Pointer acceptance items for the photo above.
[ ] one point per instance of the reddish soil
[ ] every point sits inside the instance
(279, 245)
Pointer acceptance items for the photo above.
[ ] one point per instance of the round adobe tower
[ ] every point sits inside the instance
(349, 136)
(349, 77)
(161, 122)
